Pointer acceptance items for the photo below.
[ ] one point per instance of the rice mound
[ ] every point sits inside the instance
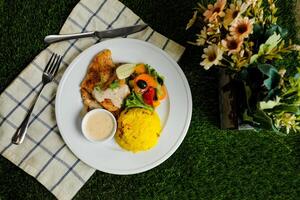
(138, 129)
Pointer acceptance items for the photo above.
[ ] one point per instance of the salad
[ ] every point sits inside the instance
(146, 85)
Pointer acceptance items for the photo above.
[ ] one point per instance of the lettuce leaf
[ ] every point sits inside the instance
(135, 101)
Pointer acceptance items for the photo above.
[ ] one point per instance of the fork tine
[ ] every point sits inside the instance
(52, 66)
(58, 64)
(49, 63)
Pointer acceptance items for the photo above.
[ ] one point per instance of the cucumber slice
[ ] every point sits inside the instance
(125, 70)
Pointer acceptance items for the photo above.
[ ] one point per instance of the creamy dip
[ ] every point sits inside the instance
(98, 125)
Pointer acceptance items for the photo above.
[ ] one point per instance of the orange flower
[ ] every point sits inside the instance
(214, 11)
(234, 12)
(242, 28)
(233, 45)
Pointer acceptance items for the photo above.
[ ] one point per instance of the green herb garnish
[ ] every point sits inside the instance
(97, 88)
(115, 84)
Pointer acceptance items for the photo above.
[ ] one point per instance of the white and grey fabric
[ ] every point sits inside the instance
(43, 154)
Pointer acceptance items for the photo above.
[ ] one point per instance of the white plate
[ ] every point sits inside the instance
(175, 111)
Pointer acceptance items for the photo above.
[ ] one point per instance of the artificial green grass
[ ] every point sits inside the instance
(210, 163)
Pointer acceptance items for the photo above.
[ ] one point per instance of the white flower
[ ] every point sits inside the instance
(212, 56)
(202, 37)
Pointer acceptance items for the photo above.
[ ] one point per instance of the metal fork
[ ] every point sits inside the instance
(48, 75)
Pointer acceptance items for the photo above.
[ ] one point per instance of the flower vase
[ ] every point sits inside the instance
(227, 100)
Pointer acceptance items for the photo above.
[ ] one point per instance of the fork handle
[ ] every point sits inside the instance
(57, 38)
(19, 135)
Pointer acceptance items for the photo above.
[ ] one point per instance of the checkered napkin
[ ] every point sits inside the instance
(43, 154)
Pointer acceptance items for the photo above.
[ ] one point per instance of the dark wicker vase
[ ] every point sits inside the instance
(227, 100)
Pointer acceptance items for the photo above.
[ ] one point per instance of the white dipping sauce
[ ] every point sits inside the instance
(98, 125)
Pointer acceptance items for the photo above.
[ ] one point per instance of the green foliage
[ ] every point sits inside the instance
(136, 101)
(275, 28)
(262, 121)
(115, 84)
(267, 47)
(263, 105)
(275, 105)
(273, 76)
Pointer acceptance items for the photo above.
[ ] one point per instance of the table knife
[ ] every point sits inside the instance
(100, 34)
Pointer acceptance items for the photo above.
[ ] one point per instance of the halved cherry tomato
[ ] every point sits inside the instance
(149, 95)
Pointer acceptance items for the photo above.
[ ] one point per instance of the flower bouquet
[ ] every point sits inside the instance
(259, 67)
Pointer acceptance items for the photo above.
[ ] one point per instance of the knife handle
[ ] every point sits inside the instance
(57, 38)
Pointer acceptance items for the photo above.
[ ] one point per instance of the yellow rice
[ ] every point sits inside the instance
(138, 129)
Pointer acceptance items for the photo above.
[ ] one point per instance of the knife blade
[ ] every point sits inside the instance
(100, 34)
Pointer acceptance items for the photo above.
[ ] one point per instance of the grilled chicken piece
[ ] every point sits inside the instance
(101, 71)
(108, 105)
(112, 99)
(88, 100)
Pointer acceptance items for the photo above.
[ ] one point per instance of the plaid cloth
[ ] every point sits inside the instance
(43, 154)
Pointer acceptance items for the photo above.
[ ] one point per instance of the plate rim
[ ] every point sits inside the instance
(179, 139)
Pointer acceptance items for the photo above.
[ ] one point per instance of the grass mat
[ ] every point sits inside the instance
(210, 163)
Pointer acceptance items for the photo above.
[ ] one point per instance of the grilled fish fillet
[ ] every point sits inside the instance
(101, 72)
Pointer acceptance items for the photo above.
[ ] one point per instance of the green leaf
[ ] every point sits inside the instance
(97, 87)
(275, 28)
(264, 121)
(271, 43)
(266, 69)
(242, 75)
(247, 118)
(292, 108)
(136, 101)
(272, 93)
(267, 47)
(115, 84)
(254, 58)
(272, 73)
(192, 21)
(258, 31)
(263, 105)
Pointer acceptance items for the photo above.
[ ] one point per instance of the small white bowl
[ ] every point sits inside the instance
(99, 110)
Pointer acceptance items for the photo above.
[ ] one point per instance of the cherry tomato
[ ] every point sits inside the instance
(149, 95)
